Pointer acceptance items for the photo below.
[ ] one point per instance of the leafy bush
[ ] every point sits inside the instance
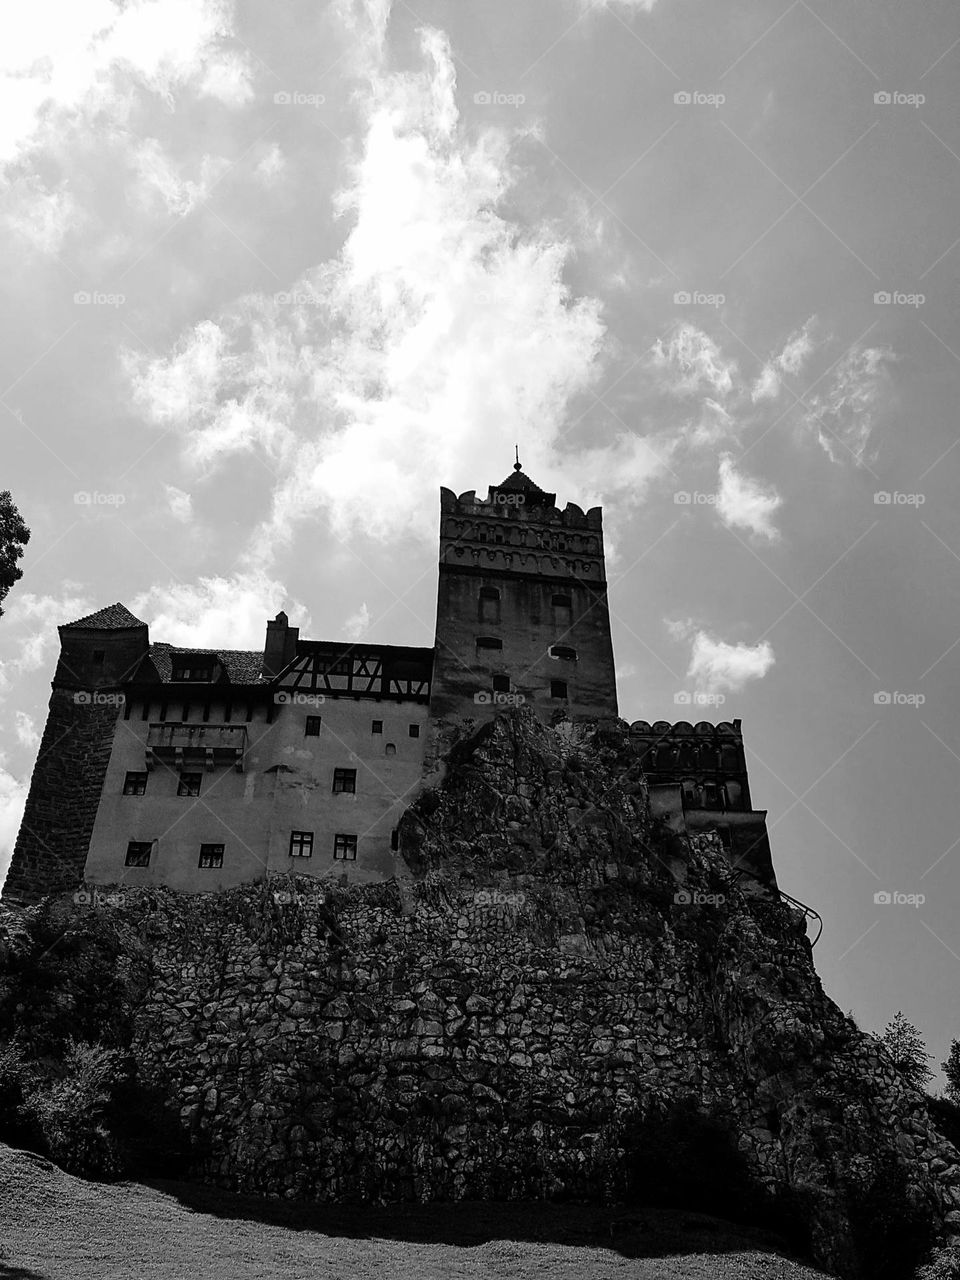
(70, 1111)
(890, 1233)
(943, 1264)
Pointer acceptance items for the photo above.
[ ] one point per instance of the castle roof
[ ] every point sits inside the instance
(519, 482)
(115, 617)
(240, 666)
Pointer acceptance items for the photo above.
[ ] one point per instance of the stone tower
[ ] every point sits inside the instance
(521, 606)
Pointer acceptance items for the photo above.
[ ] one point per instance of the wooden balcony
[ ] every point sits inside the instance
(206, 745)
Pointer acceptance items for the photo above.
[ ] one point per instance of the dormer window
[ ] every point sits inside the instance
(193, 667)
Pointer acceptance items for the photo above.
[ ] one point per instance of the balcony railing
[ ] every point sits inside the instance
(204, 744)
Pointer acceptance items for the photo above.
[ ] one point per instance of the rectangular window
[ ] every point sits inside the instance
(489, 642)
(98, 657)
(138, 853)
(414, 731)
(377, 726)
(312, 728)
(345, 780)
(135, 784)
(182, 671)
(211, 856)
(301, 844)
(501, 684)
(345, 848)
(558, 688)
(189, 784)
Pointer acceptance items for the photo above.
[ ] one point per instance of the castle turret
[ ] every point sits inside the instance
(99, 654)
(522, 605)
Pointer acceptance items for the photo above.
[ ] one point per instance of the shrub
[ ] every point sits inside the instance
(890, 1234)
(70, 1110)
(943, 1264)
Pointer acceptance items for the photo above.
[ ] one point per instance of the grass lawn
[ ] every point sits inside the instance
(56, 1227)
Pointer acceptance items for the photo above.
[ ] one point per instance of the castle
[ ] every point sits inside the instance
(201, 769)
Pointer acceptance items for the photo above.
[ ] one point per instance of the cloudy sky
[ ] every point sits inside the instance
(275, 272)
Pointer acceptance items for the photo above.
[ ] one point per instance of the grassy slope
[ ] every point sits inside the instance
(62, 1228)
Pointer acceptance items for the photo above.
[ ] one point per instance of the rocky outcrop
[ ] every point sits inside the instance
(549, 969)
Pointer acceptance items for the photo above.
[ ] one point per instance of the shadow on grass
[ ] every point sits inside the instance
(632, 1233)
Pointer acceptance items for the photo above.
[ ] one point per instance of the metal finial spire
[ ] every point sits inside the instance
(516, 465)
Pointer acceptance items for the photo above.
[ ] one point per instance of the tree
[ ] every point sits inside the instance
(951, 1069)
(904, 1043)
(14, 536)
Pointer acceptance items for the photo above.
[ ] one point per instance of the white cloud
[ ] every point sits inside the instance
(357, 625)
(33, 620)
(440, 334)
(26, 731)
(791, 360)
(214, 612)
(844, 417)
(180, 503)
(743, 503)
(72, 75)
(643, 6)
(716, 667)
(692, 361)
(13, 797)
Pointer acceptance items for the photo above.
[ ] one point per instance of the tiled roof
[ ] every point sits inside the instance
(242, 666)
(518, 482)
(114, 617)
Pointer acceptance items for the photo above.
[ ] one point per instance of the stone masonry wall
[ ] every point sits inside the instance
(552, 967)
(64, 794)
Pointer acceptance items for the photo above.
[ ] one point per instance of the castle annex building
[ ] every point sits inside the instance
(204, 768)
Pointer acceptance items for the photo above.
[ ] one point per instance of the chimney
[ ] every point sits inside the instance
(281, 645)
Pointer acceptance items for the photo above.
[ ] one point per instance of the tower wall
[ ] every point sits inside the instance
(521, 596)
